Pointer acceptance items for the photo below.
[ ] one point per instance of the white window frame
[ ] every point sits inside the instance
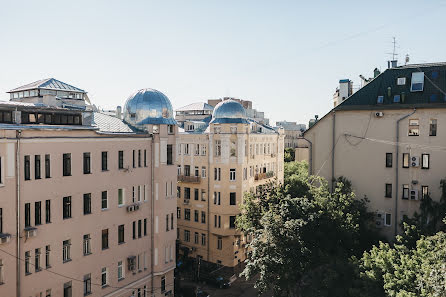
(121, 272)
(387, 224)
(417, 78)
(104, 272)
(401, 81)
(121, 196)
(232, 174)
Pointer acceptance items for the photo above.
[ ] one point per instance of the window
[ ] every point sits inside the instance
(87, 284)
(388, 191)
(232, 174)
(171, 221)
(195, 215)
(217, 148)
(424, 192)
(47, 256)
(134, 230)
(167, 222)
(66, 250)
(406, 160)
(47, 166)
(134, 159)
(169, 155)
(197, 149)
(196, 194)
(120, 270)
(105, 239)
(104, 164)
(425, 161)
(67, 289)
(37, 167)
(37, 260)
(219, 243)
(232, 198)
(203, 239)
(203, 150)
(396, 99)
(432, 127)
(27, 214)
(170, 129)
(104, 200)
(197, 171)
(87, 163)
(145, 227)
(27, 259)
(414, 128)
(48, 211)
(27, 168)
(178, 192)
(186, 149)
(178, 213)
(104, 278)
(66, 164)
(388, 219)
(87, 244)
(163, 284)
(87, 203)
(186, 193)
(37, 213)
(120, 197)
(187, 170)
(417, 83)
(48, 293)
(203, 217)
(187, 214)
(139, 158)
(1, 222)
(232, 222)
(217, 198)
(203, 172)
(187, 235)
(139, 229)
(203, 195)
(120, 234)
(196, 238)
(121, 159)
(405, 191)
(389, 160)
(217, 174)
(401, 81)
(145, 158)
(66, 205)
(2, 273)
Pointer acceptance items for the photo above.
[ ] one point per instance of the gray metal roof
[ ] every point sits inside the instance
(48, 84)
(196, 106)
(110, 124)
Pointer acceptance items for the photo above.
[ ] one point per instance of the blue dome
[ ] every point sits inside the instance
(229, 111)
(148, 106)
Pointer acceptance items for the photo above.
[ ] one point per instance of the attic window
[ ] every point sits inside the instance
(401, 81)
(397, 99)
(417, 83)
(380, 100)
(132, 114)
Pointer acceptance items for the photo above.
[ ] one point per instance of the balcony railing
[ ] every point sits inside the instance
(189, 179)
(260, 176)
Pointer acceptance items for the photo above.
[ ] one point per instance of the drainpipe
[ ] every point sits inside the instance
(333, 153)
(17, 164)
(397, 167)
(152, 251)
(208, 200)
(310, 156)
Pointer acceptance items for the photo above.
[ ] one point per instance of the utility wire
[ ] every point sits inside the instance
(78, 280)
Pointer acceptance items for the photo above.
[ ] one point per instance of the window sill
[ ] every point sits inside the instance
(38, 270)
(120, 279)
(104, 209)
(67, 175)
(121, 205)
(104, 170)
(104, 249)
(87, 172)
(66, 261)
(87, 294)
(88, 254)
(48, 267)
(88, 213)
(104, 286)
(67, 218)
(119, 243)
(27, 273)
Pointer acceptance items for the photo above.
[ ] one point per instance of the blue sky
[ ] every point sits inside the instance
(285, 56)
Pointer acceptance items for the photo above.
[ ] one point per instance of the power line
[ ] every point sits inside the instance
(78, 280)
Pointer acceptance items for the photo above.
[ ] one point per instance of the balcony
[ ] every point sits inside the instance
(189, 179)
(260, 176)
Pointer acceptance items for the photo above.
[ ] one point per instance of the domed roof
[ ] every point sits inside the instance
(148, 106)
(229, 111)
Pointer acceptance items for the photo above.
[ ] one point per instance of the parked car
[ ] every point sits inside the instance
(216, 280)
(192, 292)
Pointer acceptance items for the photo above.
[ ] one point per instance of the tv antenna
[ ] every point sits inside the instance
(393, 53)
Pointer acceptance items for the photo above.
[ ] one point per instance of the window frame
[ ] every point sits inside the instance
(388, 190)
(423, 162)
(389, 161)
(406, 157)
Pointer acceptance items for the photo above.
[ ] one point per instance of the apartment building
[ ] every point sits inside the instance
(217, 162)
(387, 139)
(293, 132)
(87, 202)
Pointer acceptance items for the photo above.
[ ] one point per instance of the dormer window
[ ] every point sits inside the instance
(380, 100)
(417, 83)
(401, 81)
(397, 99)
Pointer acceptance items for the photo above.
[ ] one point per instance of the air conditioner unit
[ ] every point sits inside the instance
(5, 238)
(415, 161)
(379, 114)
(130, 208)
(413, 194)
(136, 206)
(379, 220)
(30, 232)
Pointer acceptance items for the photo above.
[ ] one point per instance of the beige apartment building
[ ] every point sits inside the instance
(388, 139)
(87, 202)
(217, 162)
(293, 133)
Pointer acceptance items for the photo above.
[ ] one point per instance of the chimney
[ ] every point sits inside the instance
(119, 112)
(392, 64)
(376, 72)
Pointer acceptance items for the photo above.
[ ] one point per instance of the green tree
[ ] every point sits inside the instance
(289, 154)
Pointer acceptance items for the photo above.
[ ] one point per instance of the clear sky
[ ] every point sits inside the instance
(285, 56)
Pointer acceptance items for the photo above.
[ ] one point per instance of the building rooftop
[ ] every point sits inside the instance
(48, 84)
(196, 106)
(110, 124)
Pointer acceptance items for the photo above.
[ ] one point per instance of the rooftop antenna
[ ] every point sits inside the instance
(407, 59)
(393, 63)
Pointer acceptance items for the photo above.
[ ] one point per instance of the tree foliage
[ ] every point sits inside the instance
(289, 154)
